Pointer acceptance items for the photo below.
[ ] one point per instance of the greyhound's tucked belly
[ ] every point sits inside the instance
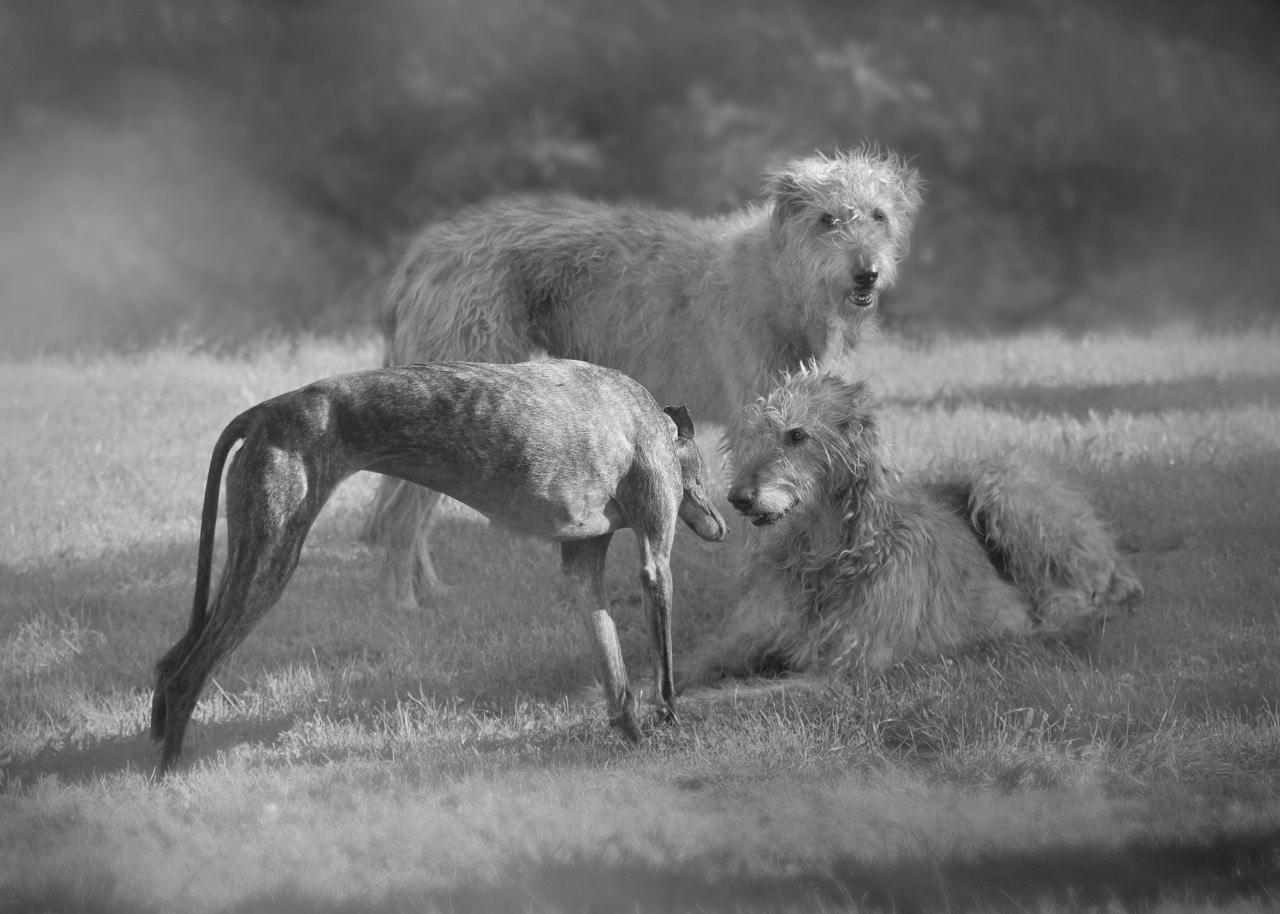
(540, 507)
(559, 529)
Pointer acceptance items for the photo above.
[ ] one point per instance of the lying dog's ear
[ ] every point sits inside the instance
(684, 423)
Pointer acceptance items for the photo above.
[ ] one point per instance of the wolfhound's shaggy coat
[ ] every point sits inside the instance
(855, 568)
(700, 311)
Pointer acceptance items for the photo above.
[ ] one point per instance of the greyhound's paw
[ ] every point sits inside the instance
(626, 724)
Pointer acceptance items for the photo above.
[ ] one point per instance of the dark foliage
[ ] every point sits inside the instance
(231, 166)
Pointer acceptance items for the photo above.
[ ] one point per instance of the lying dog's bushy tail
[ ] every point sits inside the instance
(1043, 532)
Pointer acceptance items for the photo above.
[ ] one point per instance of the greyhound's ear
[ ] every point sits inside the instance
(682, 419)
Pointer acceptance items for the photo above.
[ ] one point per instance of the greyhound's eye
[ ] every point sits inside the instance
(797, 436)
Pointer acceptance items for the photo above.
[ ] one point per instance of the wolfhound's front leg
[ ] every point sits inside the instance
(583, 562)
(401, 523)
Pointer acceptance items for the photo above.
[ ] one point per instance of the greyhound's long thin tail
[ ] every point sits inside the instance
(236, 429)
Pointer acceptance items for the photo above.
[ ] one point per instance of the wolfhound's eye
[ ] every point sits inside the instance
(878, 215)
(797, 436)
(828, 220)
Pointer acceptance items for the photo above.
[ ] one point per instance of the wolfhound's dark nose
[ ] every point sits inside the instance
(865, 280)
(742, 499)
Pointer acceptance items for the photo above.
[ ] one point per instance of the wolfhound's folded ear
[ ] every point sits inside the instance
(782, 186)
(913, 187)
(684, 422)
(854, 405)
(910, 191)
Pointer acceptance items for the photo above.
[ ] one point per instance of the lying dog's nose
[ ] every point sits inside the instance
(742, 499)
(866, 279)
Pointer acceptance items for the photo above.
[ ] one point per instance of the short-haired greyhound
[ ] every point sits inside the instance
(558, 449)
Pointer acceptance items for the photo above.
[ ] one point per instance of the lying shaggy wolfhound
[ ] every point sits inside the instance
(699, 311)
(855, 568)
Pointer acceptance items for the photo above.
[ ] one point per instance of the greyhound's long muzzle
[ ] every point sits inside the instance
(702, 517)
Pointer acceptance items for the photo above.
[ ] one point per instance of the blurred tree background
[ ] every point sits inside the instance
(223, 168)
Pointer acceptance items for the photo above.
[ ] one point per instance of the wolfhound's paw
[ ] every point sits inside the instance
(429, 586)
(1125, 591)
(418, 599)
(403, 601)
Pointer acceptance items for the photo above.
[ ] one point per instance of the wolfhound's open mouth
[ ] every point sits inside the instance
(764, 520)
(863, 299)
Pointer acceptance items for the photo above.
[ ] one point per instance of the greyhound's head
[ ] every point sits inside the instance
(696, 508)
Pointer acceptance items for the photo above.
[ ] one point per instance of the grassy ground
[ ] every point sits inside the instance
(354, 758)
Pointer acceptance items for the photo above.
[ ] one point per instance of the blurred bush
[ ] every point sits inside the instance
(230, 167)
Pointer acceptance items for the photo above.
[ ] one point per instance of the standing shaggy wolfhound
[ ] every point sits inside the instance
(855, 568)
(706, 309)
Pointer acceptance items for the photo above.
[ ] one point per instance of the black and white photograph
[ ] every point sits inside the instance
(564, 456)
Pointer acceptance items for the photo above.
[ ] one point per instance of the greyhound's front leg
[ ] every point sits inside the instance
(583, 562)
(655, 590)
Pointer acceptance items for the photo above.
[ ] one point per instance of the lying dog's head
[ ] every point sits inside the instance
(812, 438)
(696, 508)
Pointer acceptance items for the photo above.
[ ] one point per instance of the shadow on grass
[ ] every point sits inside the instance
(120, 754)
(1227, 868)
(1194, 394)
(503, 637)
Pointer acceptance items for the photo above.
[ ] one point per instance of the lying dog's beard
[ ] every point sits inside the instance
(767, 504)
(760, 518)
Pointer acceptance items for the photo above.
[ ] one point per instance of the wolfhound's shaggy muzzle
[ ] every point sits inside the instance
(761, 507)
(864, 284)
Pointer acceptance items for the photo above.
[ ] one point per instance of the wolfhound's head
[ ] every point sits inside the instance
(841, 224)
(696, 508)
(809, 442)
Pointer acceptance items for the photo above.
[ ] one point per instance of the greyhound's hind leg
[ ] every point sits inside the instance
(252, 583)
(583, 562)
(269, 513)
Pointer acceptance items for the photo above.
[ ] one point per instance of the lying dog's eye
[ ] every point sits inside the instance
(797, 436)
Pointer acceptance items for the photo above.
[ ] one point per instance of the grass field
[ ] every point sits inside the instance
(354, 758)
